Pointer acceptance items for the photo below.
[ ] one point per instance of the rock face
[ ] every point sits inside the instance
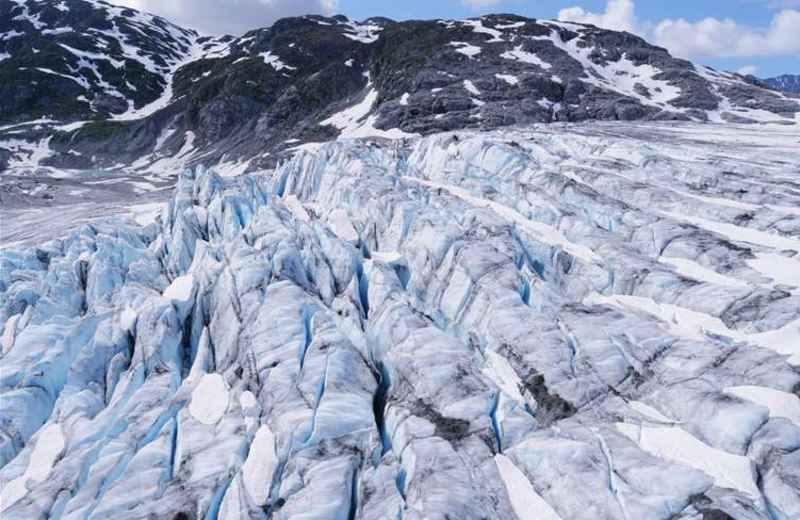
(594, 321)
(786, 83)
(134, 91)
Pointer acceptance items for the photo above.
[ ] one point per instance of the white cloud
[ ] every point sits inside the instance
(229, 16)
(715, 38)
(329, 6)
(748, 70)
(710, 38)
(620, 15)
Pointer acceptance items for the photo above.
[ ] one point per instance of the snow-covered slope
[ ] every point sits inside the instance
(583, 322)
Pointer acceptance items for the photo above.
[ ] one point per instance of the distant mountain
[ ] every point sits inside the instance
(787, 83)
(90, 85)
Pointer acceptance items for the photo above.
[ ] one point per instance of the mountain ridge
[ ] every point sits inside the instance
(785, 82)
(247, 102)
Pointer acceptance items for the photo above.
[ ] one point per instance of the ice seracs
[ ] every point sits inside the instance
(522, 323)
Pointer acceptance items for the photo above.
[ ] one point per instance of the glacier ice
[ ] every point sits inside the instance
(573, 322)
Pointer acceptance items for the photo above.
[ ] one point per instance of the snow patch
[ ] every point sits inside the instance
(478, 27)
(621, 76)
(676, 444)
(782, 270)
(209, 399)
(517, 54)
(468, 50)
(525, 501)
(500, 372)
(247, 400)
(738, 233)
(515, 25)
(342, 225)
(127, 319)
(363, 33)
(231, 169)
(260, 466)
(508, 78)
(275, 62)
(146, 214)
(356, 121)
(471, 88)
(695, 271)
(650, 412)
(50, 444)
(180, 289)
(698, 326)
(780, 404)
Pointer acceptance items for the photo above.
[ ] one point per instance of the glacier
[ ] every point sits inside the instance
(562, 322)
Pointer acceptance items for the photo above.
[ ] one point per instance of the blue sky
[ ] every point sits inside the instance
(752, 12)
(758, 36)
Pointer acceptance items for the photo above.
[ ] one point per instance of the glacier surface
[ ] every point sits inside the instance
(583, 322)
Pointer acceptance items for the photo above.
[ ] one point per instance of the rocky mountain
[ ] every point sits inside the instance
(565, 322)
(93, 86)
(786, 83)
(81, 60)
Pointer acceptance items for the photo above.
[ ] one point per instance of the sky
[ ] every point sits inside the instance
(760, 37)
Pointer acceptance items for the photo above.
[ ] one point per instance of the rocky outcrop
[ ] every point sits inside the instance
(79, 60)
